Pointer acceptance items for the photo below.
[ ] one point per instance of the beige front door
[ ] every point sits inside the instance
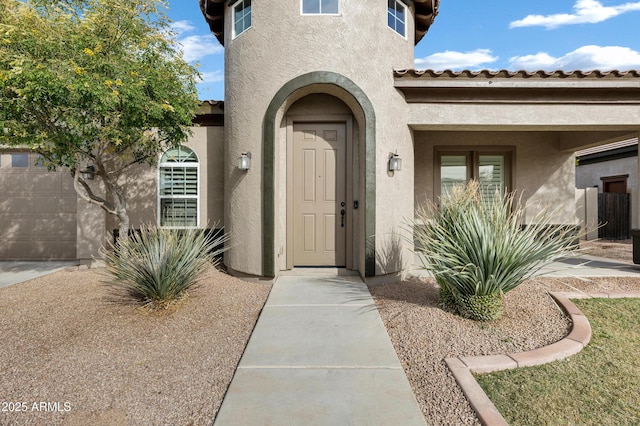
(319, 194)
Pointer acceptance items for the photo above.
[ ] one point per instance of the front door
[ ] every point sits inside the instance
(319, 194)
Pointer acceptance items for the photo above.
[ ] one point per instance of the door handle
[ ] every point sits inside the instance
(342, 213)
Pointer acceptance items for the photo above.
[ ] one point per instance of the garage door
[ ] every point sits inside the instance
(37, 210)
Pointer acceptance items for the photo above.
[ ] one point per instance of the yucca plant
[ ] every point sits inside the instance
(477, 248)
(156, 266)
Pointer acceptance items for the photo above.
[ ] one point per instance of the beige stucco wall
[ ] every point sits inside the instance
(37, 212)
(281, 45)
(589, 175)
(587, 212)
(529, 115)
(542, 173)
(141, 184)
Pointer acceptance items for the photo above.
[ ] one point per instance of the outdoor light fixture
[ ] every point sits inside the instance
(244, 162)
(88, 173)
(395, 162)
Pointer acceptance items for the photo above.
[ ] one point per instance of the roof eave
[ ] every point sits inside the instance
(514, 87)
(426, 12)
(213, 12)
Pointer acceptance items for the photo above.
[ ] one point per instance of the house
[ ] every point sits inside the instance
(611, 168)
(345, 139)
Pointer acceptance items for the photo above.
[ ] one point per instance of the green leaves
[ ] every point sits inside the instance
(158, 265)
(478, 247)
(93, 81)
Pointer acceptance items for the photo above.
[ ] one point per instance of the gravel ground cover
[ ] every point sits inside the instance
(423, 334)
(66, 344)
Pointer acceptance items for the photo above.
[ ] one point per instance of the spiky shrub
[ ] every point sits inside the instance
(477, 248)
(157, 265)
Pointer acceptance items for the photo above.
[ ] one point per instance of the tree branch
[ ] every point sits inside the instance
(87, 194)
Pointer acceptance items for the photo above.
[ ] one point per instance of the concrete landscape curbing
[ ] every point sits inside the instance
(579, 336)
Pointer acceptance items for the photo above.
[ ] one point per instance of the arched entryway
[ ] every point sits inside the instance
(346, 110)
(322, 184)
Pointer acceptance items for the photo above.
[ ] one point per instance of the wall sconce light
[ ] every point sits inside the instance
(244, 162)
(88, 173)
(395, 162)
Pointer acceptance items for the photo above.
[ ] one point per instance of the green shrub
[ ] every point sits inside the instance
(478, 250)
(156, 266)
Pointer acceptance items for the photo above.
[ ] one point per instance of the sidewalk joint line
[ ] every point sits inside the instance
(311, 305)
(319, 367)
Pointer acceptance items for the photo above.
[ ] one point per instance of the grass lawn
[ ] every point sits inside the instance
(598, 386)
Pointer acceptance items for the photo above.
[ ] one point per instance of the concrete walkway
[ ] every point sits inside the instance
(13, 272)
(319, 355)
(591, 266)
(579, 266)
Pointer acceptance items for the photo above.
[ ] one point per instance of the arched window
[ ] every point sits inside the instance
(178, 201)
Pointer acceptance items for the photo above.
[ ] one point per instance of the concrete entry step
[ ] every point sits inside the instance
(310, 271)
(319, 355)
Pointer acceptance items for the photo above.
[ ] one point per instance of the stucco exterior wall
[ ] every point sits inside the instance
(255, 71)
(530, 116)
(589, 175)
(541, 171)
(141, 184)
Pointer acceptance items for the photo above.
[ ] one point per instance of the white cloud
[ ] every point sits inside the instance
(456, 60)
(585, 12)
(603, 58)
(212, 76)
(180, 27)
(194, 47)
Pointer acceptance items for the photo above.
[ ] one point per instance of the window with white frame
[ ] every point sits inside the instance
(491, 167)
(19, 160)
(178, 201)
(241, 17)
(320, 7)
(397, 16)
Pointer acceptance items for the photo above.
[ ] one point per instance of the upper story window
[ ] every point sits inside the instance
(320, 7)
(397, 17)
(241, 17)
(178, 188)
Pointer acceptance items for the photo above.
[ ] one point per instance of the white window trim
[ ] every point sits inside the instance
(14, 167)
(233, 20)
(197, 196)
(320, 13)
(406, 24)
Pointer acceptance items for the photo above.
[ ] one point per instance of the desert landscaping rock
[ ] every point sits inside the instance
(424, 335)
(64, 341)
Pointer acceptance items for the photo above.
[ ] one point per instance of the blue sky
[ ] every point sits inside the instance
(468, 34)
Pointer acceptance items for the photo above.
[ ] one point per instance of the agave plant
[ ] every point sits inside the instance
(477, 248)
(158, 265)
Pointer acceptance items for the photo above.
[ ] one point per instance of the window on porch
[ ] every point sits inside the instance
(491, 168)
